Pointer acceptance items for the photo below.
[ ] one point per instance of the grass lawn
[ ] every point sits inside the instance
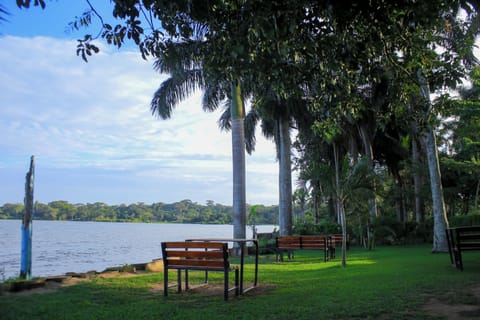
(387, 283)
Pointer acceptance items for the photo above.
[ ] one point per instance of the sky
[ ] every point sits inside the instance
(90, 127)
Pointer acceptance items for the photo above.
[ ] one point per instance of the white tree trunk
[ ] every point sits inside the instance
(285, 179)
(238, 162)
(417, 179)
(440, 221)
(339, 204)
(372, 202)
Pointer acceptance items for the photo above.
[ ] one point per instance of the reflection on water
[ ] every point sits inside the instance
(72, 246)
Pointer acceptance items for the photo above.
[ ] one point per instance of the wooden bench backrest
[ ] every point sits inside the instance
(289, 242)
(338, 237)
(467, 238)
(301, 242)
(195, 255)
(314, 242)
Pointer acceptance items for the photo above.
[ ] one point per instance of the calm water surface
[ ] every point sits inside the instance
(72, 246)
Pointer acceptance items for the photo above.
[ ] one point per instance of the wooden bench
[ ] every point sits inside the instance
(197, 255)
(462, 239)
(333, 240)
(291, 243)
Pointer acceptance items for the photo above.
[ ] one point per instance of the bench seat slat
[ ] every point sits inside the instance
(313, 246)
(472, 237)
(196, 262)
(196, 254)
(471, 246)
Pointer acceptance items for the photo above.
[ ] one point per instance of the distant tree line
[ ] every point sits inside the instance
(184, 211)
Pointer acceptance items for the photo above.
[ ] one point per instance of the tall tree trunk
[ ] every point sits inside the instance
(440, 221)
(316, 204)
(238, 161)
(303, 202)
(399, 207)
(367, 144)
(476, 196)
(417, 178)
(285, 179)
(339, 204)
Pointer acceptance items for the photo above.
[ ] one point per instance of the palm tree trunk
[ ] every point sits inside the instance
(238, 161)
(285, 179)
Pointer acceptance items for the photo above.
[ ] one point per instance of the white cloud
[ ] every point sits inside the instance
(94, 119)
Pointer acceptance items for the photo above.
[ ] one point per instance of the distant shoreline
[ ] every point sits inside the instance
(184, 211)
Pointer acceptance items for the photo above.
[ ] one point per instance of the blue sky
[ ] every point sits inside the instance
(90, 127)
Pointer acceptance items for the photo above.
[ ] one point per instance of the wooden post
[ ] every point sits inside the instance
(26, 255)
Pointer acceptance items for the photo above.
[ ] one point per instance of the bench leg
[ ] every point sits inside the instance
(179, 280)
(165, 282)
(279, 254)
(291, 254)
(237, 283)
(225, 285)
(458, 259)
(450, 244)
(332, 253)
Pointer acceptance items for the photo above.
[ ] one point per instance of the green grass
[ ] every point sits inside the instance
(388, 283)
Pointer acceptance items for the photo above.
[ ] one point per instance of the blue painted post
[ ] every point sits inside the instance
(26, 255)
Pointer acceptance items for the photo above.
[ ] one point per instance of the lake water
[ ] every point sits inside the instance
(59, 247)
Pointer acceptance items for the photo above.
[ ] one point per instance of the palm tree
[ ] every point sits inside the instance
(237, 110)
(276, 124)
(277, 117)
(184, 62)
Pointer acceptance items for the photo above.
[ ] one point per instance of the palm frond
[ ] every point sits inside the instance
(200, 31)
(224, 123)
(358, 177)
(268, 127)
(250, 124)
(474, 30)
(179, 56)
(213, 95)
(3, 13)
(174, 90)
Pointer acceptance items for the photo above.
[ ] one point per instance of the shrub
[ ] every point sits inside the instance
(324, 227)
(472, 219)
(388, 230)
